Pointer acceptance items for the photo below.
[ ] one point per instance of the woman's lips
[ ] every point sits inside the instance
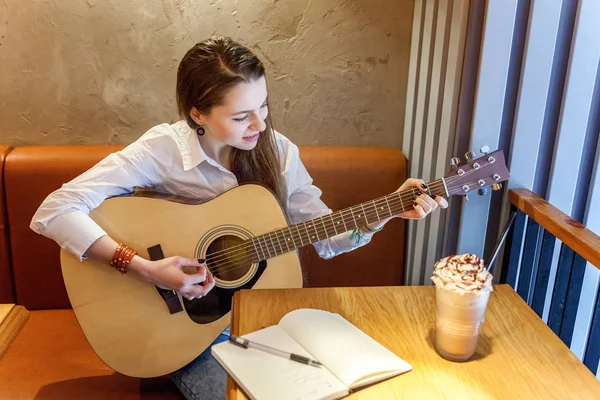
(252, 138)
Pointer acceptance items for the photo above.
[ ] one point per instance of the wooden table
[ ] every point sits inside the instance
(517, 357)
(12, 319)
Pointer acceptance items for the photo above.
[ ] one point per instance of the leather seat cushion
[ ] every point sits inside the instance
(50, 359)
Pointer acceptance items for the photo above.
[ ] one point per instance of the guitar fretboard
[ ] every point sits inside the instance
(283, 240)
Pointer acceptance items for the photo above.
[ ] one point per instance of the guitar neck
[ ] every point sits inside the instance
(287, 239)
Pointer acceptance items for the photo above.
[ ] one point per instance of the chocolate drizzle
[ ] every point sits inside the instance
(463, 273)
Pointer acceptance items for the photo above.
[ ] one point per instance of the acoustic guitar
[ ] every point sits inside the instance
(141, 330)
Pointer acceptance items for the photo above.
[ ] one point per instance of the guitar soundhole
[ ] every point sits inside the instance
(232, 260)
(227, 258)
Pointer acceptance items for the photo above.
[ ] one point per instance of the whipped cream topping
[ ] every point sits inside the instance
(463, 273)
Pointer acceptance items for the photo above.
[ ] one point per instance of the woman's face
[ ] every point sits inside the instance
(240, 119)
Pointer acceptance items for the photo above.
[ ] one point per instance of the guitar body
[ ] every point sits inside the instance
(125, 319)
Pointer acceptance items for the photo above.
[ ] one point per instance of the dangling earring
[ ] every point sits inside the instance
(200, 131)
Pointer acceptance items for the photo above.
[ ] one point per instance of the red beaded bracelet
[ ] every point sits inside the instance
(122, 257)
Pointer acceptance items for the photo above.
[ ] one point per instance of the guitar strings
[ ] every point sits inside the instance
(371, 209)
(243, 248)
(232, 265)
(370, 212)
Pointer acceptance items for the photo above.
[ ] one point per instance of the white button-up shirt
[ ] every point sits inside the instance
(170, 159)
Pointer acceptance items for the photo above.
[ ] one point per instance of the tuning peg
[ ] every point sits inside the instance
(455, 162)
(482, 191)
(496, 186)
(484, 150)
(469, 155)
(466, 197)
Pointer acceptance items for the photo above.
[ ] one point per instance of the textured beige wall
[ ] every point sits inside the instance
(103, 71)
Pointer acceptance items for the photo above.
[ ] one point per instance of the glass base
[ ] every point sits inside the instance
(454, 357)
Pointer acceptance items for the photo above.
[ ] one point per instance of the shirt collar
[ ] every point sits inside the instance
(191, 151)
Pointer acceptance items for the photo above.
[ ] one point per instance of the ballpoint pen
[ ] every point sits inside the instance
(245, 343)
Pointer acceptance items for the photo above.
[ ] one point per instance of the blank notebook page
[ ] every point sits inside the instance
(266, 376)
(350, 353)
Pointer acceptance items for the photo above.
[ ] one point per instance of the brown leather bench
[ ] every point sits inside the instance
(51, 359)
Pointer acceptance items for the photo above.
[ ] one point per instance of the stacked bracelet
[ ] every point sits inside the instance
(122, 257)
(367, 230)
(362, 235)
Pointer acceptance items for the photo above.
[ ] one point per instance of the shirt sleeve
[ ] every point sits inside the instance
(63, 215)
(304, 203)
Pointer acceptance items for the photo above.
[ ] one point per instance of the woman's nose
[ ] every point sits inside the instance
(258, 123)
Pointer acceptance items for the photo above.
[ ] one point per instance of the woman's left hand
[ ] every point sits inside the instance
(423, 204)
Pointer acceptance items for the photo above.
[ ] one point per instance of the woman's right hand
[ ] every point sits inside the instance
(167, 274)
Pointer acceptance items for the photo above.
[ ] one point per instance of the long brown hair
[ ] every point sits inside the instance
(206, 73)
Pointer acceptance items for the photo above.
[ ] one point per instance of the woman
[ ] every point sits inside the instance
(225, 139)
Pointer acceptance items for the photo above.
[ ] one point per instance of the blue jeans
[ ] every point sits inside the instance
(203, 378)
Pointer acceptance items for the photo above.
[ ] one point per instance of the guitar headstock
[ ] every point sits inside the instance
(487, 170)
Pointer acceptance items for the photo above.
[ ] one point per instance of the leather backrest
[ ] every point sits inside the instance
(347, 176)
(31, 173)
(6, 279)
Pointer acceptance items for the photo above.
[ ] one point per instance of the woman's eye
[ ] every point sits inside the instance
(264, 105)
(242, 119)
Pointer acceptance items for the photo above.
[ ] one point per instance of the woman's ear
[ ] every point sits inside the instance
(196, 116)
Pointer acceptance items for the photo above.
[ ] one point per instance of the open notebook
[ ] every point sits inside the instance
(350, 358)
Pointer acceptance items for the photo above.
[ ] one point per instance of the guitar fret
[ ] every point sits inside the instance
(310, 238)
(301, 233)
(333, 223)
(255, 249)
(307, 234)
(300, 236)
(354, 219)
(383, 208)
(429, 192)
(267, 255)
(266, 245)
(324, 227)
(327, 225)
(388, 205)
(279, 243)
(272, 244)
(285, 240)
(440, 191)
(415, 193)
(365, 215)
(344, 221)
(316, 231)
(401, 201)
(376, 212)
(446, 192)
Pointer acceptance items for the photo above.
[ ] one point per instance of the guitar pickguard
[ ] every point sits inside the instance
(218, 301)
